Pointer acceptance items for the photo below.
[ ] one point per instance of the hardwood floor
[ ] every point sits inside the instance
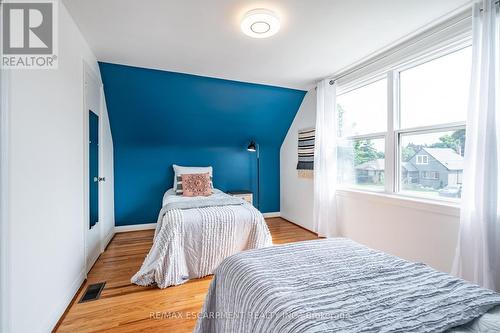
(124, 307)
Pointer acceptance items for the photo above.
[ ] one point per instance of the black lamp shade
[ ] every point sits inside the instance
(252, 147)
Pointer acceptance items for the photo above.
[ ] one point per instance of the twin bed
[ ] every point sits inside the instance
(328, 285)
(194, 234)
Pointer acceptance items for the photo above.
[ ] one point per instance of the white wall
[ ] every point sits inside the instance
(412, 230)
(45, 199)
(296, 200)
(416, 231)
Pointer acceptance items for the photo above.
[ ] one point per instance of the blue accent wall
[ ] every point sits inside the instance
(161, 118)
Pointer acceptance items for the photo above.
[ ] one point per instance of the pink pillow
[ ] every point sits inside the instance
(196, 184)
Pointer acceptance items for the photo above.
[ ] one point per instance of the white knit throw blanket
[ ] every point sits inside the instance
(214, 230)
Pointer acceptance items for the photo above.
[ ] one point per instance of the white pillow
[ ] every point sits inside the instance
(182, 170)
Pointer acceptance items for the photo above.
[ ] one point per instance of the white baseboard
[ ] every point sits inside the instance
(63, 305)
(293, 221)
(93, 260)
(272, 214)
(135, 227)
(108, 238)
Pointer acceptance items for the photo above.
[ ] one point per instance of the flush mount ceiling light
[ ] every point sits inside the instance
(260, 23)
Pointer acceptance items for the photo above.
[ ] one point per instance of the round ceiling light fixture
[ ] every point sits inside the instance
(260, 23)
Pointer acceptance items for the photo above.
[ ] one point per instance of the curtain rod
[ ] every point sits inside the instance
(381, 57)
(496, 3)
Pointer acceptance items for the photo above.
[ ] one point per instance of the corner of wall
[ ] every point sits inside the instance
(296, 198)
(59, 309)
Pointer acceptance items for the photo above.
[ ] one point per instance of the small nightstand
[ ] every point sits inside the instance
(245, 195)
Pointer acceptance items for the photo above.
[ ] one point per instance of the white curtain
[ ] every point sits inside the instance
(478, 251)
(325, 161)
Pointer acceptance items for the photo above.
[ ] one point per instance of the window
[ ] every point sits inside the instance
(422, 159)
(437, 91)
(426, 127)
(362, 119)
(443, 171)
(363, 110)
(433, 105)
(362, 163)
(430, 175)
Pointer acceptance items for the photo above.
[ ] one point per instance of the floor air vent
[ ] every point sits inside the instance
(92, 292)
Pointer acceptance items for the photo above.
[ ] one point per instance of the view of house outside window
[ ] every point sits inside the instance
(429, 132)
(433, 110)
(362, 163)
(441, 175)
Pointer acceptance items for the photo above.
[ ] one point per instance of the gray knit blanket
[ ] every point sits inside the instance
(336, 285)
(193, 235)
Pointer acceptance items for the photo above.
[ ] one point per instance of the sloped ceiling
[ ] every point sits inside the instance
(151, 107)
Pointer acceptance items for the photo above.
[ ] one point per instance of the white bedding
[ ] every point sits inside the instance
(193, 235)
(171, 197)
(337, 285)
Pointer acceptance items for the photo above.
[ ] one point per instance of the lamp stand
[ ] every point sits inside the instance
(258, 177)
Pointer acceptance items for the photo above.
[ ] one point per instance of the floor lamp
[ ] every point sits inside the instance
(254, 147)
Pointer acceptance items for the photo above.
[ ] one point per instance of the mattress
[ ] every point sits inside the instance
(338, 285)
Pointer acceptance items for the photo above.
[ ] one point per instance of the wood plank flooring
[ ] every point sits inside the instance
(124, 307)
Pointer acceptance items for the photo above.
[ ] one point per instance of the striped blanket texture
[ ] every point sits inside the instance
(336, 285)
(306, 149)
(194, 235)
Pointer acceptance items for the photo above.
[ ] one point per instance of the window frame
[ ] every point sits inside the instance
(368, 136)
(432, 175)
(394, 133)
(422, 162)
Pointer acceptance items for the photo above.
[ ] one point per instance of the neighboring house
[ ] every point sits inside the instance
(429, 167)
(410, 173)
(434, 167)
(370, 172)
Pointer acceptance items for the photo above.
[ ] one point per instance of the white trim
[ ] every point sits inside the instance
(433, 128)
(85, 168)
(434, 206)
(392, 107)
(90, 75)
(5, 272)
(294, 222)
(135, 227)
(107, 239)
(377, 135)
(272, 214)
(453, 29)
(100, 170)
(92, 261)
(58, 310)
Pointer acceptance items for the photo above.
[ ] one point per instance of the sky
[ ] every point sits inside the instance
(432, 93)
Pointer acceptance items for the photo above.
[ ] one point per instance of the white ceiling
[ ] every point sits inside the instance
(317, 37)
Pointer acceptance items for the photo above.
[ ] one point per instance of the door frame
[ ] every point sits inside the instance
(5, 274)
(88, 72)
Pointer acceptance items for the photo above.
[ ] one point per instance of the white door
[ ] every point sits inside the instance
(92, 112)
(97, 231)
(106, 190)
